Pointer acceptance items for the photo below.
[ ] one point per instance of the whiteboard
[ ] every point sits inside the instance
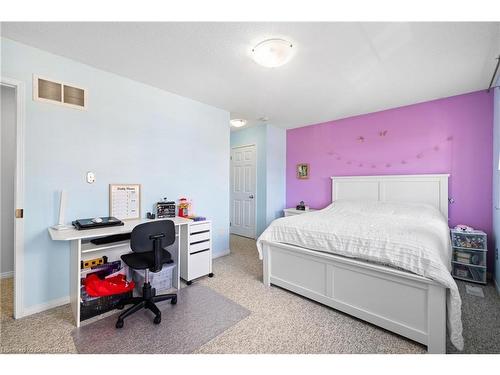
(125, 201)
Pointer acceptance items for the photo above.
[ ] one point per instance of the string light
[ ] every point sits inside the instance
(362, 163)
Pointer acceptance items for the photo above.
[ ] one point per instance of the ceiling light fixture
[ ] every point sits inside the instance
(238, 122)
(272, 53)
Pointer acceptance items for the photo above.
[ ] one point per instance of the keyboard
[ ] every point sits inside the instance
(110, 239)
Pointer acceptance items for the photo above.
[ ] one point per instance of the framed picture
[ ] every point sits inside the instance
(125, 201)
(302, 171)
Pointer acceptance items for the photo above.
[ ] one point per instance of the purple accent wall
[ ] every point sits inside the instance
(452, 135)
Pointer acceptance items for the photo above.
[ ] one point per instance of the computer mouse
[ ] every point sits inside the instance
(97, 220)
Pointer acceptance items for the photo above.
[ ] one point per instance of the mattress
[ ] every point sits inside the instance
(409, 236)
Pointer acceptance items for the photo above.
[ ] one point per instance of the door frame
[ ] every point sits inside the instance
(256, 196)
(19, 88)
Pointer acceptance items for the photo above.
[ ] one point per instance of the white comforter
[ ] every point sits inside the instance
(413, 237)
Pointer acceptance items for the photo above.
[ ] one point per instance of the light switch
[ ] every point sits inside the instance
(90, 177)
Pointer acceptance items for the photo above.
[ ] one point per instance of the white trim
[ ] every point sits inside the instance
(421, 188)
(18, 195)
(6, 275)
(224, 253)
(46, 306)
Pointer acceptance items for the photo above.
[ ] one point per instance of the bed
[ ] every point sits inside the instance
(380, 252)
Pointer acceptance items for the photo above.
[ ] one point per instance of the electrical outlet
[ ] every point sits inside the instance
(90, 177)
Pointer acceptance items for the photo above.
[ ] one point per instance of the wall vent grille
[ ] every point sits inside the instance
(56, 92)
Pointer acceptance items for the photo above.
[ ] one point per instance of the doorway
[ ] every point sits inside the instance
(243, 198)
(7, 167)
(12, 192)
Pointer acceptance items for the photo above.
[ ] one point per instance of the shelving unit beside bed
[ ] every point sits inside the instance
(469, 255)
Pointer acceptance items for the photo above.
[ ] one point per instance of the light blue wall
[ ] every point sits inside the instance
(496, 181)
(275, 172)
(271, 162)
(130, 133)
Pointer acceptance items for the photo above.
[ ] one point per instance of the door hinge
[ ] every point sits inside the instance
(230, 223)
(19, 213)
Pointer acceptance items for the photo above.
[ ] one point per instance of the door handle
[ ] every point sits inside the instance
(250, 196)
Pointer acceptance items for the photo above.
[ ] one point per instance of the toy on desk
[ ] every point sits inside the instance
(184, 207)
(149, 215)
(165, 209)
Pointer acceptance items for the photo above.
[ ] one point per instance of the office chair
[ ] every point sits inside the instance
(148, 242)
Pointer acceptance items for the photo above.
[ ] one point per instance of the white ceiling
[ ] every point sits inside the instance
(339, 69)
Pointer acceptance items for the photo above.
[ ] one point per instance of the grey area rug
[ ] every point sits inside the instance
(199, 315)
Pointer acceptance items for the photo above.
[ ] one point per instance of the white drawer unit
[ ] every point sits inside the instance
(196, 259)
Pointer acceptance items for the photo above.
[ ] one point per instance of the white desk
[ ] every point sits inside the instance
(83, 249)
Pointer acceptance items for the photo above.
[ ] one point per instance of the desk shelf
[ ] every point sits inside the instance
(89, 247)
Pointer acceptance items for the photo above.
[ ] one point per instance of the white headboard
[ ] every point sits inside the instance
(419, 188)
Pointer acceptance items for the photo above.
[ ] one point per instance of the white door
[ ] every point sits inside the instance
(243, 190)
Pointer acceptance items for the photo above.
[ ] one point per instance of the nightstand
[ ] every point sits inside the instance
(469, 255)
(294, 211)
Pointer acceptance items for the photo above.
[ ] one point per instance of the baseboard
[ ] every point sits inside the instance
(224, 253)
(45, 306)
(496, 285)
(65, 300)
(6, 275)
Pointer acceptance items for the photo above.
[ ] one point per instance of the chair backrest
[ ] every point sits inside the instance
(141, 240)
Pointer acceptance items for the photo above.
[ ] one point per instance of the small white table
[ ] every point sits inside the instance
(294, 211)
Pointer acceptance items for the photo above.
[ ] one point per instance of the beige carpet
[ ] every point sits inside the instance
(280, 321)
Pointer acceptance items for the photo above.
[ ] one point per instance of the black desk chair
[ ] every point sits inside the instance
(148, 242)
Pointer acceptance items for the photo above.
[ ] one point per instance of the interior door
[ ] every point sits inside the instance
(243, 190)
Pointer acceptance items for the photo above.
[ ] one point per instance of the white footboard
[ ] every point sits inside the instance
(401, 302)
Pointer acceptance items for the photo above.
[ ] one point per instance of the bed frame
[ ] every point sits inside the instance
(402, 302)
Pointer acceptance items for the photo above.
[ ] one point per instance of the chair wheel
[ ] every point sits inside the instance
(210, 274)
(189, 282)
(157, 320)
(119, 306)
(173, 301)
(119, 323)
